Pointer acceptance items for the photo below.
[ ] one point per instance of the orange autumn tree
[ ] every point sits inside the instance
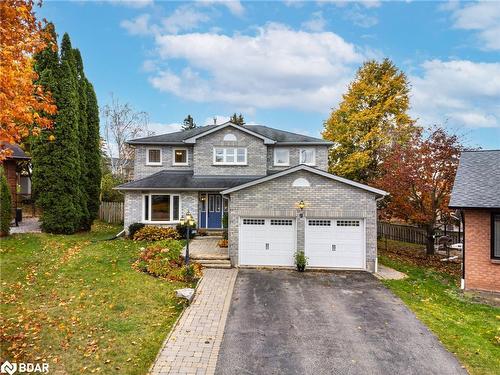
(419, 176)
(24, 106)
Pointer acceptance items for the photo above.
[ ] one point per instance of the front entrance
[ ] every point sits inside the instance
(211, 211)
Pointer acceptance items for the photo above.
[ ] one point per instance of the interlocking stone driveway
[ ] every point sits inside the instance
(194, 343)
(284, 322)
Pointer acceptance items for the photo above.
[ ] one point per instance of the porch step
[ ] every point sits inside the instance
(208, 257)
(215, 263)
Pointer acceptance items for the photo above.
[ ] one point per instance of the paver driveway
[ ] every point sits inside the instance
(284, 322)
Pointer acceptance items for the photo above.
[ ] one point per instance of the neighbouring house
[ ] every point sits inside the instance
(476, 193)
(13, 172)
(272, 184)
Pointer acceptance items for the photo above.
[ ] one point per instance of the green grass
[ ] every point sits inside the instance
(468, 329)
(75, 302)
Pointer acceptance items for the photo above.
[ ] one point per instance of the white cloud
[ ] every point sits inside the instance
(184, 18)
(360, 18)
(316, 23)
(219, 119)
(161, 128)
(137, 26)
(277, 67)
(234, 6)
(132, 3)
(483, 17)
(460, 92)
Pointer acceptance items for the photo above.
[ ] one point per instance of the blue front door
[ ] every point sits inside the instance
(214, 211)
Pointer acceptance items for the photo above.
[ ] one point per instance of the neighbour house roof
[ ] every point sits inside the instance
(184, 180)
(477, 182)
(268, 135)
(17, 152)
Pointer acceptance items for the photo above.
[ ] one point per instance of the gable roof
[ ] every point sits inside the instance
(477, 182)
(312, 170)
(267, 134)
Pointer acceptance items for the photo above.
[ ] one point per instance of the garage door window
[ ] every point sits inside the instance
(348, 223)
(320, 223)
(253, 221)
(281, 222)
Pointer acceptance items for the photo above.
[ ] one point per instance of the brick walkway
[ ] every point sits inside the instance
(193, 346)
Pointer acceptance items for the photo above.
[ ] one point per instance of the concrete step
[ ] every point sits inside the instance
(216, 265)
(199, 257)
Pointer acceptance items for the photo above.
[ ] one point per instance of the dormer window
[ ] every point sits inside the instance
(180, 156)
(230, 156)
(308, 156)
(153, 156)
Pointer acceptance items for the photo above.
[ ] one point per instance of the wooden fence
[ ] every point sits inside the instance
(408, 233)
(111, 212)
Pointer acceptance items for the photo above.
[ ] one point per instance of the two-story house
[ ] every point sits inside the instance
(272, 184)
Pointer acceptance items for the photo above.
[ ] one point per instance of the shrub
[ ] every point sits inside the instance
(181, 230)
(5, 205)
(222, 243)
(300, 260)
(152, 233)
(163, 259)
(134, 227)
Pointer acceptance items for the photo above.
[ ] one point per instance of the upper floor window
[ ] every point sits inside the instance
(230, 155)
(153, 156)
(281, 156)
(308, 156)
(180, 156)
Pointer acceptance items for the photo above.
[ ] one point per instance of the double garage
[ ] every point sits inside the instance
(328, 243)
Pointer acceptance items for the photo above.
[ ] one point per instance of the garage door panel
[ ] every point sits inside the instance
(336, 243)
(270, 243)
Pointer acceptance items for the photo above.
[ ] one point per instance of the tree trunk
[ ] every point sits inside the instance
(430, 240)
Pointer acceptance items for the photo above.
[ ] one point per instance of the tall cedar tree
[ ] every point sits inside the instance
(61, 176)
(419, 176)
(237, 119)
(5, 204)
(188, 123)
(370, 120)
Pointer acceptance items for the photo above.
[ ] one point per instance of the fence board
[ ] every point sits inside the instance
(111, 212)
(408, 233)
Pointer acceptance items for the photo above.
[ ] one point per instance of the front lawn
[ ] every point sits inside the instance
(76, 303)
(469, 330)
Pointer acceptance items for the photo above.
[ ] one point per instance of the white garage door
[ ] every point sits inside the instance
(336, 243)
(267, 242)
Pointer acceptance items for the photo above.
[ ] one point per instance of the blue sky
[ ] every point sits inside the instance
(286, 64)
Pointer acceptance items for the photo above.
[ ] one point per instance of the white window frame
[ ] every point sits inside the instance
(150, 200)
(314, 155)
(147, 156)
(180, 149)
(276, 159)
(224, 156)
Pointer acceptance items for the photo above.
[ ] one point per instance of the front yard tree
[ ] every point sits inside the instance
(188, 123)
(237, 119)
(371, 118)
(419, 176)
(25, 105)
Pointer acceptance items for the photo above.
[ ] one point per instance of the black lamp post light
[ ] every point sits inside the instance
(189, 222)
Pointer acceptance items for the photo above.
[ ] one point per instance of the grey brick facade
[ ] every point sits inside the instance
(325, 198)
(321, 157)
(256, 154)
(141, 169)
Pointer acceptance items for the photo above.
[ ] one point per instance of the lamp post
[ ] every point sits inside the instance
(189, 222)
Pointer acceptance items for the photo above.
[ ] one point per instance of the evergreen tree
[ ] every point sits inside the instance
(93, 154)
(5, 205)
(56, 157)
(237, 119)
(188, 123)
(370, 120)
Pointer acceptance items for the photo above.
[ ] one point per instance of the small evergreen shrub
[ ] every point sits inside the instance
(300, 260)
(5, 205)
(152, 233)
(134, 227)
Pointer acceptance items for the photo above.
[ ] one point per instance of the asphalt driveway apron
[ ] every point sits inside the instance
(284, 322)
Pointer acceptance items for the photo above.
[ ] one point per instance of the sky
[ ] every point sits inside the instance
(286, 64)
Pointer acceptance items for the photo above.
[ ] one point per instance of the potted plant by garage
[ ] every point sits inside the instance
(300, 260)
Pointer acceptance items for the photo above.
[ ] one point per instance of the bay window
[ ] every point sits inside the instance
(162, 208)
(230, 155)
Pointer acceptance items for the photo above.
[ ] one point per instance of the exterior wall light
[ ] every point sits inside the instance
(301, 205)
